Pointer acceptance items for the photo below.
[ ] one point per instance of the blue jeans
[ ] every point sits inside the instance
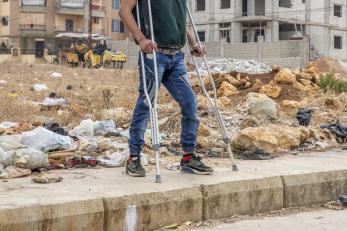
(172, 74)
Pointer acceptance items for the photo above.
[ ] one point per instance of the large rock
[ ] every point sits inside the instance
(270, 139)
(271, 91)
(260, 105)
(226, 89)
(285, 76)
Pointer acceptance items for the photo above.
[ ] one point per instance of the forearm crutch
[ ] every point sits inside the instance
(212, 102)
(152, 105)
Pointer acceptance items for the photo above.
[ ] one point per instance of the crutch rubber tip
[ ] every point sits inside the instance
(158, 179)
(235, 168)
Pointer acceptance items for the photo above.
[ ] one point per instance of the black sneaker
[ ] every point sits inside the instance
(134, 167)
(194, 165)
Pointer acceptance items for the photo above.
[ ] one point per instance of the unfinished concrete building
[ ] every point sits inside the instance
(242, 21)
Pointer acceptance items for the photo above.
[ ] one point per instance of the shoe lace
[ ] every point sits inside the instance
(138, 165)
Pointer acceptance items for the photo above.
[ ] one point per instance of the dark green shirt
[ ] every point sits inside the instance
(169, 22)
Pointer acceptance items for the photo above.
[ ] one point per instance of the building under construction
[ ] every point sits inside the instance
(242, 21)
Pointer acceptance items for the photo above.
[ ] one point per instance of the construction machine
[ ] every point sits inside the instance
(95, 57)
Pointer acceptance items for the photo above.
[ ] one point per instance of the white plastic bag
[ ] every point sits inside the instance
(116, 159)
(6, 158)
(40, 87)
(56, 75)
(8, 143)
(54, 102)
(102, 128)
(6, 125)
(30, 159)
(45, 140)
(85, 128)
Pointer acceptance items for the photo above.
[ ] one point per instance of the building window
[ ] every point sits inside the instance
(117, 26)
(225, 4)
(337, 10)
(96, 20)
(115, 4)
(285, 3)
(202, 36)
(224, 31)
(200, 5)
(338, 42)
(69, 25)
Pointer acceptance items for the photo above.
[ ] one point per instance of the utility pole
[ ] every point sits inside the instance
(90, 23)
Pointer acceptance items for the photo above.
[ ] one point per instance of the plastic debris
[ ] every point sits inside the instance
(6, 125)
(46, 178)
(116, 159)
(85, 128)
(257, 154)
(6, 158)
(55, 127)
(343, 199)
(30, 159)
(105, 128)
(53, 102)
(304, 116)
(339, 130)
(14, 172)
(40, 87)
(3, 82)
(56, 75)
(80, 162)
(13, 142)
(45, 140)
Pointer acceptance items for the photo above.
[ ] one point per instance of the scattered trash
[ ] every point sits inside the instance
(105, 128)
(13, 142)
(39, 87)
(339, 130)
(173, 167)
(116, 159)
(6, 158)
(46, 178)
(53, 102)
(3, 82)
(14, 172)
(80, 162)
(6, 125)
(85, 128)
(56, 75)
(343, 199)
(30, 159)
(55, 127)
(258, 154)
(45, 140)
(304, 116)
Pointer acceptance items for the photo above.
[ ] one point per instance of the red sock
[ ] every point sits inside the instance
(187, 157)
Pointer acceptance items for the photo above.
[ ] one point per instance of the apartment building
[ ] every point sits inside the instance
(242, 21)
(24, 22)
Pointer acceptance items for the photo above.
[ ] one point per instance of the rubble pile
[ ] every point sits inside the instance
(238, 65)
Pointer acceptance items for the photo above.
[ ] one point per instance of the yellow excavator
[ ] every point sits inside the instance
(95, 57)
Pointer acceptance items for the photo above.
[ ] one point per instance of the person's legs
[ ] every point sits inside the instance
(176, 82)
(141, 114)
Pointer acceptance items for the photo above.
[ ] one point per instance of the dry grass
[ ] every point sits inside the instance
(91, 89)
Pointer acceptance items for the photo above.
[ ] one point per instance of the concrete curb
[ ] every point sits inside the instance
(74, 216)
(242, 197)
(319, 187)
(153, 210)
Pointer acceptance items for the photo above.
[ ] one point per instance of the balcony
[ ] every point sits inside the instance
(63, 29)
(32, 30)
(98, 11)
(75, 7)
(35, 6)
